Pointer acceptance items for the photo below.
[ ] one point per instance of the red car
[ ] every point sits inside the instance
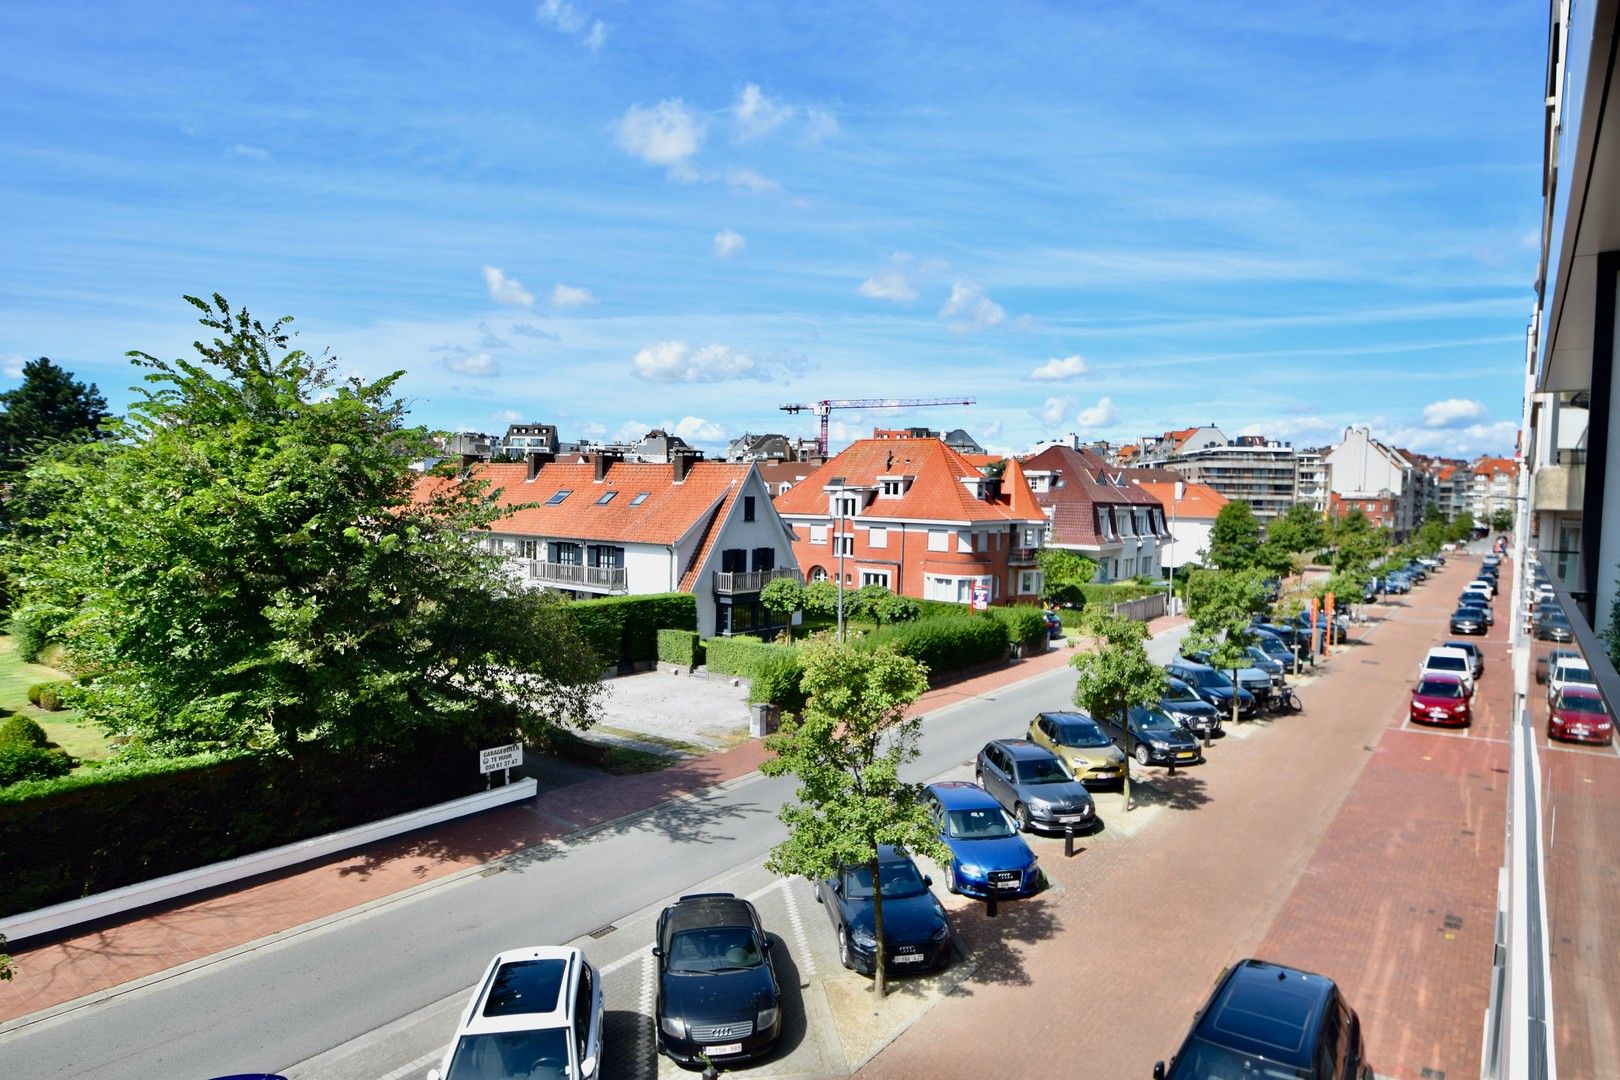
(1578, 714)
(1442, 699)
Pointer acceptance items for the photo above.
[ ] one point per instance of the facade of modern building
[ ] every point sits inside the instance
(607, 527)
(1250, 468)
(1313, 479)
(523, 439)
(1091, 509)
(1493, 487)
(1366, 471)
(915, 516)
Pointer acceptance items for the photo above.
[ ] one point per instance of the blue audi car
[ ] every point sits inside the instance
(987, 854)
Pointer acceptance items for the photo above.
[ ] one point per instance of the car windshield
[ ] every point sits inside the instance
(1554, 618)
(1042, 770)
(983, 823)
(1467, 611)
(1180, 693)
(1153, 720)
(1208, 678)
(535, 1055)
(900, 879)
(714, 948)
(1080, 733)
(1201, 1060)
(1582, 703)
(1447, 663)
(1441, 688)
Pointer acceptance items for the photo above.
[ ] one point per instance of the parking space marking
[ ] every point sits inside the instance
(800, 938)
(420, 1063)
(646, 1058)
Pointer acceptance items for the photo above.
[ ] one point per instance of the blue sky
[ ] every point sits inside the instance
(1103, 219)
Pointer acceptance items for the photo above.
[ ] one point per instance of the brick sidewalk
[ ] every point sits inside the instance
(62, 970)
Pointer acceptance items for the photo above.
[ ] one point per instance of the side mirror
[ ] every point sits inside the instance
(838, 886)
(928, 881)
(587, 1067)
(657, 951)
(1158, 1070)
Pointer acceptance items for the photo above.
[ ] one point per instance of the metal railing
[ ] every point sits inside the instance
(1023, 556)
(610, 578)
(729, 582)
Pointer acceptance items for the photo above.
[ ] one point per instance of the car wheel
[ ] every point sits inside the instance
(1021, 812)
(845, 957)
(950, 880)
(1143, 757)
(978, 777)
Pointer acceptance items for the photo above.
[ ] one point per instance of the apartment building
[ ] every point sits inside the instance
(1313, 479)
(1259, 471)
(1366, 472)
(1494, 486)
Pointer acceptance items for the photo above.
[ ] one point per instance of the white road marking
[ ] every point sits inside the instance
(627, 958)
(806, 957)
(420, 1063)
(646, 1054)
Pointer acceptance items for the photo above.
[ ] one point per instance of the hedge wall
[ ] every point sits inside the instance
(739, 656)
(624, 629)
(947, 643)
(680, 647)
(1025, 624)
(102, 828)
(777, 681)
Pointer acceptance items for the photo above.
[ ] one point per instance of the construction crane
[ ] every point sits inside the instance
(823, 408)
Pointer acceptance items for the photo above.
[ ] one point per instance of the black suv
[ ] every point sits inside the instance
(1268, 1020)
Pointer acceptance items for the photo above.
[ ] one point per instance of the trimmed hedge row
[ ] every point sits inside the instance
(778, 679)
(116, 825)
(740, 656)
(1026, 625)
(624, 629)
(945, 644)
(680, 647)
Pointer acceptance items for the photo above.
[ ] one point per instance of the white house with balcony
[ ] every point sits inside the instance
(606, 527)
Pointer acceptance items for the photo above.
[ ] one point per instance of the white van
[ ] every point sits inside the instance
(1444, 660)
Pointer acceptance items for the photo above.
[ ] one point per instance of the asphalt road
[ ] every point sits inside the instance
(384, 986)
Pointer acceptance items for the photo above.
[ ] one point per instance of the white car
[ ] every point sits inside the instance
(1568, 671)
(1443, 660)
(536, 1014)
(1483, 583)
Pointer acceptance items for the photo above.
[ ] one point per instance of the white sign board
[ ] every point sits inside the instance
(981, 595)
(500, 757)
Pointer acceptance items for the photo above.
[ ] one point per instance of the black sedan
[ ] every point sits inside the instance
(717, 992)
(1468, 620)
(1189, 710)
(1155, 738)
(1553, 625)
(916, 935)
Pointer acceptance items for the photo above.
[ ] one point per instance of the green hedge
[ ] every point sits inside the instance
(103, 828)
(624, 629)
(47, 695)
(777, 681)
(946, 644)
(21, 763)
(740, 656)
(680, 647)
(1117, 593)
(1025, 624)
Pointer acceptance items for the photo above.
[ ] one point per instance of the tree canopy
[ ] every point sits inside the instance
(1299, 530)
(1222, 604)
(49, 407)
(1116, 674)
(243, 565)
(1234, 539)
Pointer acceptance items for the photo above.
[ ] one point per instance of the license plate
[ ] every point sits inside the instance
(1438, 714)
(1187, 755)
(1104, 773)
(1070, 817)
(1007, 884)
(723, 1048)
(909, 958)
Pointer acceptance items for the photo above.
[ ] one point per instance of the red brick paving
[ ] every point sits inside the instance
(1295, 844)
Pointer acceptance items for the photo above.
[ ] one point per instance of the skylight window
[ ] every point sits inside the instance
(641, 497)
(607, 497)
(559, 496)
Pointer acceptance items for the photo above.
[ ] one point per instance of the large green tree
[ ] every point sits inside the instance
(1222, 605)
(245, 565)
(1502, 520)
(1234, 539)
(49, 407)
(1115, 674)
(1298, 530)
(1062, 574)
(846, 750)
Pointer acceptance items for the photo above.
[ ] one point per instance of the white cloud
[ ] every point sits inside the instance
(819, 126)
(896, 281)
(566, 18)
(749, 182)
(992, 430)
(478, 365)
(529, 330)
(1300, 429)
(1059, 369)
(697, 429)
(566, 296)
(593, 430)
(1453, 411)
(243, 150)
(664, 134)
(969, 309)
(728, 243)
(679, 361)
(507, 416)
(11, 365)
(597, 37)
(1099, 415)
(506, 290)
(1054, 411)
(1496, 437)
(757, 115)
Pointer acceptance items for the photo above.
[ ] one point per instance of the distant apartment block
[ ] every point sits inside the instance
(1367, 473)
(1261, 472)
(1493, 487)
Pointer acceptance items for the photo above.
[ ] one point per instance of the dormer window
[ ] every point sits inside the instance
(891, 487)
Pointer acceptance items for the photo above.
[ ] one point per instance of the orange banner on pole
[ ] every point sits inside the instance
(1315, 646)
(1327, 641)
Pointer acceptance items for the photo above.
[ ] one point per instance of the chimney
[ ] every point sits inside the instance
(681, 462)
(536, 461)
(603, 460)
(469, 460)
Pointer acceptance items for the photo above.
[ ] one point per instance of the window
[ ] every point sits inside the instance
(845, 506)
(564, 552)
(1032, 538)
(748, 508)
(529, 549)
(582, 1009)
(964, 541)
(981, 540)
(641, 497)
(875, 577)
(733, 561)
(1027, 582)
(607, 497)
(938, 540)
(605, 556)
(844, 545)
(877, 537)
(818, 573)
(763, 558)
(818, 534)
(559, 496)
(891, 488)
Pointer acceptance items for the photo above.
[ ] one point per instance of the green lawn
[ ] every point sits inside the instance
(62, 728)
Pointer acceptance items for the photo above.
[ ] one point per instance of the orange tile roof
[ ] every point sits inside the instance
(1489, 466)
(1197, 500)
(1125, 453)
(937, 493)
(669, 512)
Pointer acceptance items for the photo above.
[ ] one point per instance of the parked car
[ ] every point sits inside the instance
(1257, 680)
(1553, 626)
(1213, 686)
(1544, 663)
(1266, 1020)
(1468, 619)
(987, 854)
(1267, 663)
(1397, 584)
(1275, 648)
(1483, 583)
(1291, 636)
(1568, 671)
(1484, 609)
(1474, 652)
(1192, 712)
(1033, 785)
(718, 997)
(1442, 699)
(1340, 628)
(916, 934)
(1054, 625)
(1578, 714)
(1156, 738)
(1444, 661)
(537, 1012)
(1076, 738)
(1472, 590)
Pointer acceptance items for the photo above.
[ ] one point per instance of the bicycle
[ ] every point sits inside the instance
(1284, 700)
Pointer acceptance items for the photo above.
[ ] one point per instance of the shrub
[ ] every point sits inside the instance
(945, 644)
(821, 598)
(29, 637)
(47, 695)
(21, 731)
(1026, 625)
(624, 629)
(777, 677)
(20, 762)
(740, 656)
(895, 609)
(680, 647)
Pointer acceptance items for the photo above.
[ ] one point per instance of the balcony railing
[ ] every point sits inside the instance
(1023, 556)
(610, 578)
(750, 581)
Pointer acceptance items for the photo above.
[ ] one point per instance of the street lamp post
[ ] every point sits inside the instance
(837, 488)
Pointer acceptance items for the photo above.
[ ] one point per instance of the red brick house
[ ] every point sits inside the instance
(917, 517)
